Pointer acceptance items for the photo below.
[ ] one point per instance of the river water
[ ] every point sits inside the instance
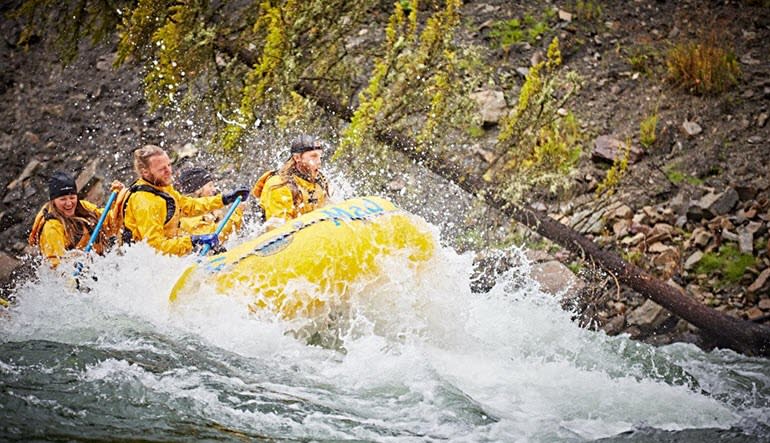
(420, 358)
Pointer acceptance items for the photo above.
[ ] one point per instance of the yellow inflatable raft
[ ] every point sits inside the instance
(296, 268)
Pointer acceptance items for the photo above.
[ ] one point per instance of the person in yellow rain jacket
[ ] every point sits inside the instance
(66, 223)
(151, 207)
(198, 182)
(298, 187)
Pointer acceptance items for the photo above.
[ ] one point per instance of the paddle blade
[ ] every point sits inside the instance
(181, 283)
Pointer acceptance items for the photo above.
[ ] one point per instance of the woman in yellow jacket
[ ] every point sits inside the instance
(198, 182)
(151, 208)
(65, 223)
(298, 187)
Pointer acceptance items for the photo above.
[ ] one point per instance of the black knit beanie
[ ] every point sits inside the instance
(60, 184)
(192, 179)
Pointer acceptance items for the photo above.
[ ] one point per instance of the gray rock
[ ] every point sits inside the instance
(746, 241)
(719, 204)
(608, 149)
(729, 235)
(693, 260)
(691, 128)
(701, 237)
(755, 228)
(659, 248)
(622, 212)
(659, 232)
(594, 225)
(25, 174)
(668, 259)
(621, 227)
(746, 192)
(491, 104)
(760, 282)
(762, 119)
(13, 195)
(633, 241)
(615, 325)
(8, 264)
(754, 313)
(555, 278)
(649, 316)
(641, 218)
(87, 175)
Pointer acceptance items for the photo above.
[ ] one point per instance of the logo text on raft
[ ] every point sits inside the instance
(353, 212)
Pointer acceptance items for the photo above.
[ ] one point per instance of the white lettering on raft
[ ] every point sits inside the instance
(353, 212)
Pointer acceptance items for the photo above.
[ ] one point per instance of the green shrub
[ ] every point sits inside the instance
(475, 131)
(728, 261)
(615, 173)
(702, 67)
(506, 33)
(588, 10)
(648, 130)
(675, 176)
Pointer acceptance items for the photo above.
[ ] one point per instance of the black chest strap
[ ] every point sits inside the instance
(170, 206)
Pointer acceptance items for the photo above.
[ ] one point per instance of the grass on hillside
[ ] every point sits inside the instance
(702, 67)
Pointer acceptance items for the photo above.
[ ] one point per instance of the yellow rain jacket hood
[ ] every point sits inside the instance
(155, 216)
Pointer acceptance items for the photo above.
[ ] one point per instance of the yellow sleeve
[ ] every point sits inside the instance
(148, 213)
(196, 225)
(53, 242)
(192, 206)
(199, 225)
(277, 202)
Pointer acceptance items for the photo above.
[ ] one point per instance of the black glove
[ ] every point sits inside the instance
(229, 197)
(205, 239)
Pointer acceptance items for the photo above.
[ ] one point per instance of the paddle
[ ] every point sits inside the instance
(222, 224)
(97, 228)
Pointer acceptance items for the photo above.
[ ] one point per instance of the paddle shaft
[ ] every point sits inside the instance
(222, 224)
(101, 221)
(97, 228)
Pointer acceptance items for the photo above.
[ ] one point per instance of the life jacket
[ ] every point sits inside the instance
(122, 201)
(299, 193)
(257, 190)
(37, 229)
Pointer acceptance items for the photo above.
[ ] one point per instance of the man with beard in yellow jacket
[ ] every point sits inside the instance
(151, 207)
